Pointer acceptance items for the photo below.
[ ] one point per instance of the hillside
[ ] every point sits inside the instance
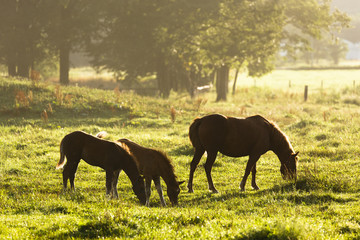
(324, 202)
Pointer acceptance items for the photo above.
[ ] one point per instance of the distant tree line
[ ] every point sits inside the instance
(186, 43)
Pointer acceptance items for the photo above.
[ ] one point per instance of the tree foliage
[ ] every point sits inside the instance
(183, 42)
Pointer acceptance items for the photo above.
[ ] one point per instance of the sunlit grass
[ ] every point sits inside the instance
(324, 203)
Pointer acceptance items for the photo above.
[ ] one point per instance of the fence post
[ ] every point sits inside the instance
(306, 93)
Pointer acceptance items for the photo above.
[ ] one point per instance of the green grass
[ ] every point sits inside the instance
(323, 204)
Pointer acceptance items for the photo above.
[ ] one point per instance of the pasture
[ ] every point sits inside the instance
(324, 202)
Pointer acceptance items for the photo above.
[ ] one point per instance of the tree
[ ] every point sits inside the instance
(21, 35)
(141, 37)
(244, 33)
(308, 20)
(263, 25)
(70, 28)
(192, 39)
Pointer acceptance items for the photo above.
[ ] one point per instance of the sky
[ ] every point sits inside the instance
(350, 6)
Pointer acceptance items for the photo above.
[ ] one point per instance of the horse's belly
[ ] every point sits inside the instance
(93, 158)
(241, 148)
(234, 153)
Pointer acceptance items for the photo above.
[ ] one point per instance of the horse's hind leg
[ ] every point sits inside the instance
(208, 166)
(147, 190)
(69, 173)
(249, 167)
(159, 190)
(65, 178)
(195, 161)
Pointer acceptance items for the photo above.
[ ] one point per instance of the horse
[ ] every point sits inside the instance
(237, 137)
(101, 153)
(153, 164)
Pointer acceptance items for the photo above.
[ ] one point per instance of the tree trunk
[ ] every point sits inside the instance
(23, 63)
(163, 77)
(11, 69)
(23, 70)
(64, 63)
(235, 80)
(222, 81)
(192, 82)
(65, 44)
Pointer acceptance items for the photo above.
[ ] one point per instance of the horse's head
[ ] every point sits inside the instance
(139, 190)
(173, 193)
(288, 166)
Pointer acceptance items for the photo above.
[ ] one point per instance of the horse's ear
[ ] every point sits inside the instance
(295, 154)
(181, 182)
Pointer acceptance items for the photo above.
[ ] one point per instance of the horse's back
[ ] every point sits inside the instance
(149, 160)
(73, 143)
(93, 150)
(233, 136)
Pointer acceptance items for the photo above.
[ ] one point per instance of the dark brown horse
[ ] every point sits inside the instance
(102, 153)
(153, 164)
(238, 137)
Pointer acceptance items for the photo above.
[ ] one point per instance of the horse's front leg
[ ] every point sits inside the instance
(249, 167)
(253, 181)
(208, 166)
(109, 182)
(159, 190)
(147, 190)
(114, 183)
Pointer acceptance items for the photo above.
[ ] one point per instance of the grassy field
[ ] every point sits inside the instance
(323, 204)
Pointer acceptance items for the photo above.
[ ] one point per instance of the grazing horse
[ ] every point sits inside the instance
(102, 153)
(153, 164)
(238, 137)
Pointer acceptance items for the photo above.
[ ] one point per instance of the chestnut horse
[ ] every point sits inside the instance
(102, 153)
(153, 164)
(238, 137)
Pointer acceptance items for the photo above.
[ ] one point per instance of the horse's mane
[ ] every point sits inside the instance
(127, 150)
(125, 147)
(167, 162)
(279, 136)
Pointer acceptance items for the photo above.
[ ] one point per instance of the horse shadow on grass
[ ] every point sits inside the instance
(299, 193)
(290, 192)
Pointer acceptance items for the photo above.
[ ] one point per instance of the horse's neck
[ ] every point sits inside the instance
(131, 170)
(168, 175)
(170, 180)
(280, 145)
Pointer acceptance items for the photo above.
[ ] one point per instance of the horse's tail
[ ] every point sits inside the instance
(193, 132)
(61, 162)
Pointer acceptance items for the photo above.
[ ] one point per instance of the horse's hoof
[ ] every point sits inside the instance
(190, 190)
(214, 190)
